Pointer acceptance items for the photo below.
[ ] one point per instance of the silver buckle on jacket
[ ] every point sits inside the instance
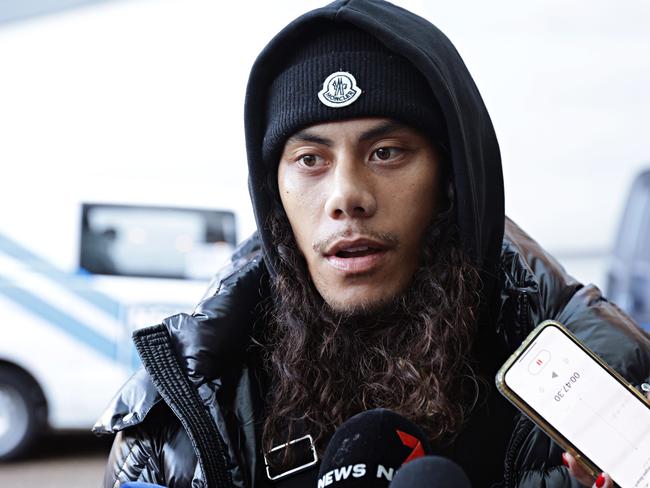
(292, 444)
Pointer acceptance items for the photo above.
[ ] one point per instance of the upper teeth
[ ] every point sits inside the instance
(356, 249)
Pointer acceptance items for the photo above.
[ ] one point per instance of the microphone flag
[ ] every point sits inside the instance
(369, 448)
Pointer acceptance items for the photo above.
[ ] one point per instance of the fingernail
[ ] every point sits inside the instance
(600, 481)
(564, 461)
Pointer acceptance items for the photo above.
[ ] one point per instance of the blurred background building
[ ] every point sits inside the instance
(124, 173)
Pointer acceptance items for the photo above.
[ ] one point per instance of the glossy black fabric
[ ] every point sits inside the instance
(496, 447)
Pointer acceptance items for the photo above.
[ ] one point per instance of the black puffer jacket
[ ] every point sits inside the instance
(192, 417)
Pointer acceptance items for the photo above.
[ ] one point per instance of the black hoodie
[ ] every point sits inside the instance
(472, 142)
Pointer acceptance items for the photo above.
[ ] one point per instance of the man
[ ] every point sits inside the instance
(383, 274)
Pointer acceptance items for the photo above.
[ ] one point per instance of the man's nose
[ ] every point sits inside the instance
(351, 193)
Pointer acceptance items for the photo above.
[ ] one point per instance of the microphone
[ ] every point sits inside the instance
(369, 448)
(431, 472)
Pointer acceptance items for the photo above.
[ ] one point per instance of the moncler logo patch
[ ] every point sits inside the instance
(339, 90)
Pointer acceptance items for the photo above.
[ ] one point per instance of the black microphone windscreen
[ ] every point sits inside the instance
(431, 472)
(369, 448)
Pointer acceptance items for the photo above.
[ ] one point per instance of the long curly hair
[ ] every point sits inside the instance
(412, 356)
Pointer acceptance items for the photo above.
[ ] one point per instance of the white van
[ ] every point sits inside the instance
(123, 188)
(69, 301)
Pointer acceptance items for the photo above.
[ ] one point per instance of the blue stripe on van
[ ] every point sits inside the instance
(63, 279)
(66, 323)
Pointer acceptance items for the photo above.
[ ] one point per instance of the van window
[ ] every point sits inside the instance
(156, 242)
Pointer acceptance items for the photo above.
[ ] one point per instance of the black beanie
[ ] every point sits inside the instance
(339, 73)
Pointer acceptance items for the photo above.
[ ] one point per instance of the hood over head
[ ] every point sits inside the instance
(469, 140)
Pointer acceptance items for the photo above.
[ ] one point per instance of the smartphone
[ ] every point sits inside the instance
(581, 403)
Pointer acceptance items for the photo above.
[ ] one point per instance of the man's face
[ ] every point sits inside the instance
(359, 195)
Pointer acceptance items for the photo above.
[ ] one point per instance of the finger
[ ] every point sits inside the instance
(576, 470)
(603, 481)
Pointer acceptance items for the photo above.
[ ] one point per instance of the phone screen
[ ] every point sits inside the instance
(586, 404)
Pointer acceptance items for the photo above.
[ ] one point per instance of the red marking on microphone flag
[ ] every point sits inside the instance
(414, 443)
(539, 362)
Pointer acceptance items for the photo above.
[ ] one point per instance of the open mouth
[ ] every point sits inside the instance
(357, 257)
(357, 252)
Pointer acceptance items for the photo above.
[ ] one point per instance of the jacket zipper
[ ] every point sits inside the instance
(523, 314)
(521, 431)
(517, 440)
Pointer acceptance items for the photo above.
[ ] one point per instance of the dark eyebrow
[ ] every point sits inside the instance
(306, 136)
(382, 129)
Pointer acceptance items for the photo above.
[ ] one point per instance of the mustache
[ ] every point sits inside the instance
(390, 238)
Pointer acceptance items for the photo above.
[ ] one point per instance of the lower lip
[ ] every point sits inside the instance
(362, 264)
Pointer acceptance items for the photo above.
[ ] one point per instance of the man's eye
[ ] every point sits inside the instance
(386, 153)
(310, 160)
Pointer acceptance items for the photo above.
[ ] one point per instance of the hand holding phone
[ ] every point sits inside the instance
(581, 403)
(583, 474)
